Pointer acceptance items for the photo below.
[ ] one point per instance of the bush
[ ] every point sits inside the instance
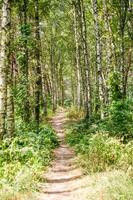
(121, 118)
(100, 152)
(24, 157)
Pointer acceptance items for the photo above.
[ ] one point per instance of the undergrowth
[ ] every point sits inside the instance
(105, 147)
(23, 159)
(114, 185)
(104, 144)
(74, 114)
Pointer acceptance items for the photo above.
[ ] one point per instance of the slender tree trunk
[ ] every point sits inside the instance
(5, 33)
(23, 17)
(108, 40)
(38, 66)
(56, 79)
(124, 5)
(53, 82)
(62, 88)
(123, 63)
(53, 71)
(44, 93)
(73, 89)
(48, 85)
(109, 51)
(10, 100)
(127, 70)
(100, 81)
(78, 67)
(26, 71)
(86, 54)
(61, 85)
(88, 92)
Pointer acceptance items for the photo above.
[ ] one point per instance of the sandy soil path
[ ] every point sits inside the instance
(63, 177)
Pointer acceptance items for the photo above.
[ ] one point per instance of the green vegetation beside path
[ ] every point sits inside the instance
(103, 153)
(23, 159)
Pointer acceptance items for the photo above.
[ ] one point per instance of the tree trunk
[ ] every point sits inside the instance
(123, 9)
(10, 104)
(100, 81)
(24, 62)
(5, 27)
(84, 71)
(61, 84)
(78, 67)
(10, 100)
(25, 66)
(44, 92)
(53, 71)
(88, 92)
(38, 66)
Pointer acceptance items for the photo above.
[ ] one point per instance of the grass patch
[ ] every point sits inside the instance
(114, 185)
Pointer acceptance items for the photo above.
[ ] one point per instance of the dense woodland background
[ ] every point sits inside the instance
(75, 54)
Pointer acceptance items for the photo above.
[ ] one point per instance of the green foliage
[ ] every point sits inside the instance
(25, 29)
(19, 93)
(120, 109)
(76, 133)
(121, 118)
(114, 83)
(67, 102)
(98, 151)
(118, 123)
(24, 157)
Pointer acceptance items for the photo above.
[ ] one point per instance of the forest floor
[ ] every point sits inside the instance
(65, 181)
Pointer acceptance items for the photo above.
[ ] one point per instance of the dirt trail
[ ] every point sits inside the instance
(63, 177)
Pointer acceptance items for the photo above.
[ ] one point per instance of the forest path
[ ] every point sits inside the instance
(63, 177)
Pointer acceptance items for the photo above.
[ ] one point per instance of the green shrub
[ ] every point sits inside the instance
(24, 157)
(121, 118)
(100, 151)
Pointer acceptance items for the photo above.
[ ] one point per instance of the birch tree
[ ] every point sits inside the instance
(5, 28)
(101, 94)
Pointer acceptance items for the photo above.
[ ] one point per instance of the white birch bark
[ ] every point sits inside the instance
(5, 26)
(100, 82)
